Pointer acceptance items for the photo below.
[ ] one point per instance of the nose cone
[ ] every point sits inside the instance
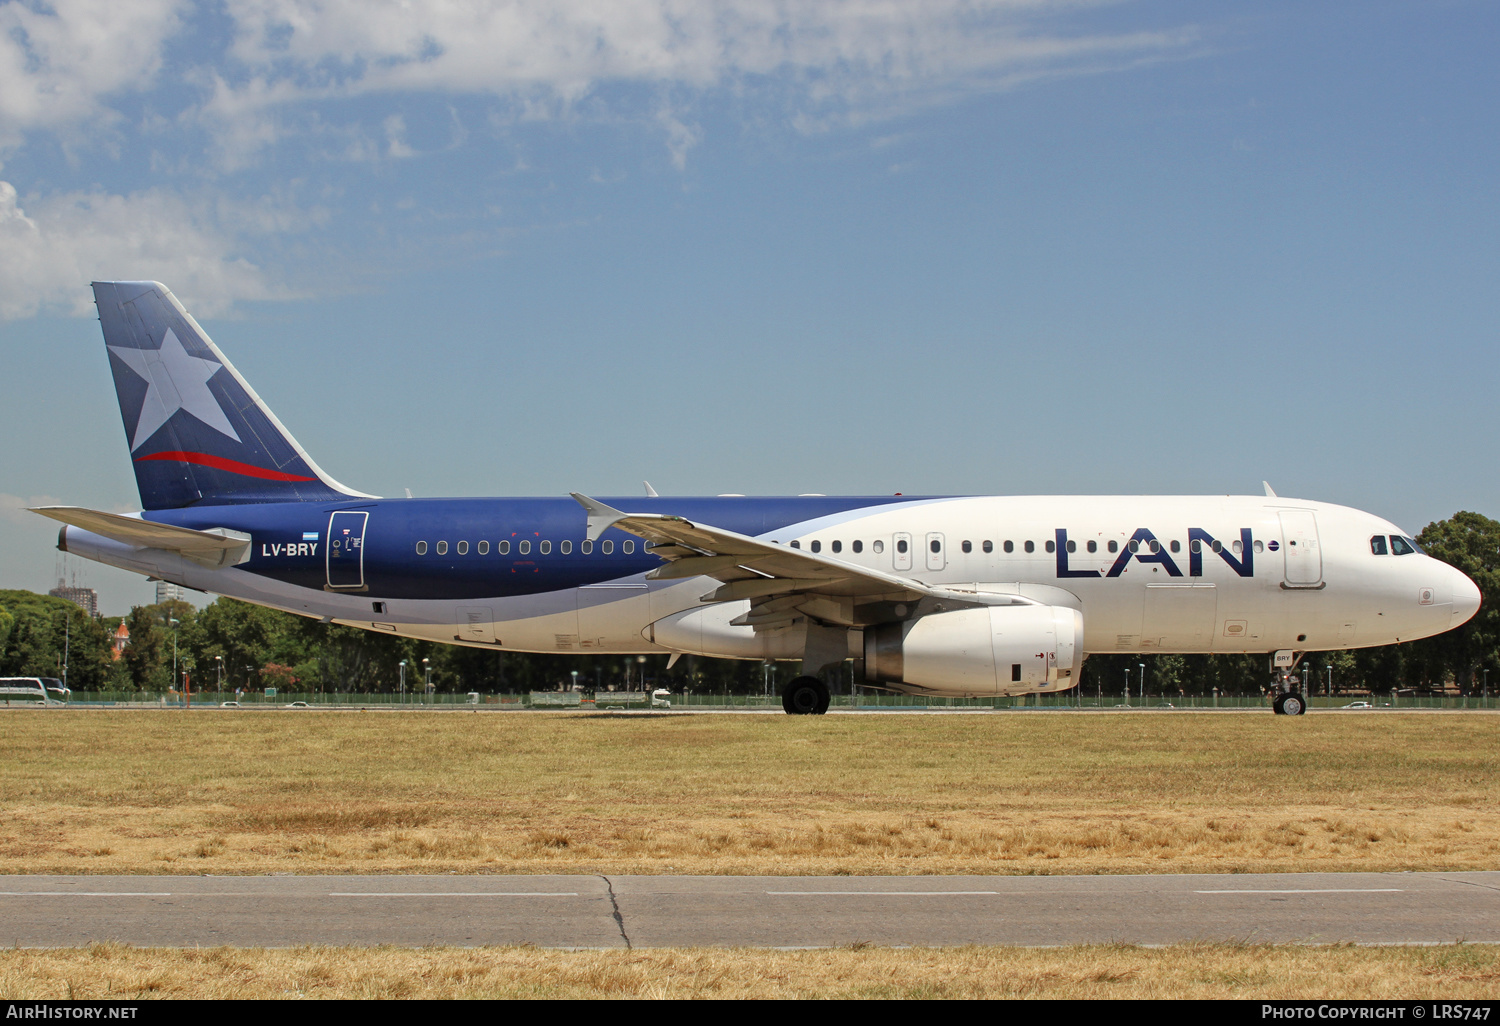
(1465, 598)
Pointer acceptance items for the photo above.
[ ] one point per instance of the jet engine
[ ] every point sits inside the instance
(997, 650)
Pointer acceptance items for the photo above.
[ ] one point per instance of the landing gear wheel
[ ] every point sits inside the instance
(1293, 704)
(1276, 705)
(805, 696)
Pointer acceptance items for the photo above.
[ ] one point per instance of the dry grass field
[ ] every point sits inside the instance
(1448, 973)
(90, 791)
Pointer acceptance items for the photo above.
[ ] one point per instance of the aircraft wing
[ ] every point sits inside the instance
(214, 548)
(780, 582)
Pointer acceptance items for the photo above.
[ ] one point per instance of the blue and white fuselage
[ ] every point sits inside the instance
(962, 595)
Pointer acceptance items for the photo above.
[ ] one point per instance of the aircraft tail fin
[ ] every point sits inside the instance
(198, 433)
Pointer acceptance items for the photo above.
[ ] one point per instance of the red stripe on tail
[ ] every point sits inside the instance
(219, 463)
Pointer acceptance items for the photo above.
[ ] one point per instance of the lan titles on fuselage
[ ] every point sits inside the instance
(946, 595)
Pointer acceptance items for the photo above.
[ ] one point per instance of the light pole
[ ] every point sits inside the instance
(1143, 683)
(174, 622)
(67, 632)
(403, 682)
(219, 664)
(426, 680)
(575, 679)
(1127, 685)
(1486, 692)
(1329, 668)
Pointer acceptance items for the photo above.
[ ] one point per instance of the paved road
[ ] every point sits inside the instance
(656, 911)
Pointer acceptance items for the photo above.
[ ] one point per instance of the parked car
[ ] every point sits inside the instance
(661, 698)
(1358, 705)
(229, 705)
(297, 705)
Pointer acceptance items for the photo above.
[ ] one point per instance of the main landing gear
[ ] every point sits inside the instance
(805, 696)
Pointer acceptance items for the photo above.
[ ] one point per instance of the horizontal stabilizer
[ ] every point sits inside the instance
(214, 548)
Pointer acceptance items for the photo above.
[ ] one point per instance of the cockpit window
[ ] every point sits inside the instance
(1402, 546)
(1377, 545)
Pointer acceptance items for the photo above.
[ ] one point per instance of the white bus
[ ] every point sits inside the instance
(45, 690)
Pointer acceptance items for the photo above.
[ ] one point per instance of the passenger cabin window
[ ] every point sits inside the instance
(1401, 546)
(606, 546)
(1377, 545)
(1238, 547)
(1113, 546)
(1093, 546)
(1176, 545)
(877, 546)
(523, 547)
(936, 545)
(1010, 546)
(1218, 546)
(442, 548)
(1154, 546)
(1031, 546)
(565, 547)
(503, 548)
(586, 546)
(837, 546)
(1072, 545)
(900, 544)
(463, 548)
(627, 546)
(988, 546)
(421, 548)
(1135, 545)
(796, 545)
(1260, 546)
(967, 546)
(816, 546)
(545, 548)
(858, 546)
(1051, 546)
(484, 548)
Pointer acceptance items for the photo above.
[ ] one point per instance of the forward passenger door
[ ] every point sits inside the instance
(901, 551)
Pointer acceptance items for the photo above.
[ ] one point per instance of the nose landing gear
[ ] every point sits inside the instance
(1290, 704)
(1288, 701)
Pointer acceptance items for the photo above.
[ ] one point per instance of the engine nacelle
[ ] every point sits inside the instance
(998, 650)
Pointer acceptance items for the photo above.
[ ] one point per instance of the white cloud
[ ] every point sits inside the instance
(395, 128)
(61, 59)
(566, 48)
(853, 59)
(50, 252)
(818, 62)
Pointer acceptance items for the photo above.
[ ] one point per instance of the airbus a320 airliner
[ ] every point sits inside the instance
(935, 595)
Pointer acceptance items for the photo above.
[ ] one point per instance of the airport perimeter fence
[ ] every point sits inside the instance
(641, 701)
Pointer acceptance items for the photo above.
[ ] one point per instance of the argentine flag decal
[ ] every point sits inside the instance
(309, 535)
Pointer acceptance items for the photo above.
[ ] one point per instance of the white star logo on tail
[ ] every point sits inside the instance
(177, 380)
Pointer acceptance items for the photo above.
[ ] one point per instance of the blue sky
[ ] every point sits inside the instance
(527, 248)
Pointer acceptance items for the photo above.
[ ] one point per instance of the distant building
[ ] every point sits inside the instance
(169, 592)
(85, 598)
(120, 640)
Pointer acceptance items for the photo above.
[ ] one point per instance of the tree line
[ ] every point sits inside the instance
(231, 644)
